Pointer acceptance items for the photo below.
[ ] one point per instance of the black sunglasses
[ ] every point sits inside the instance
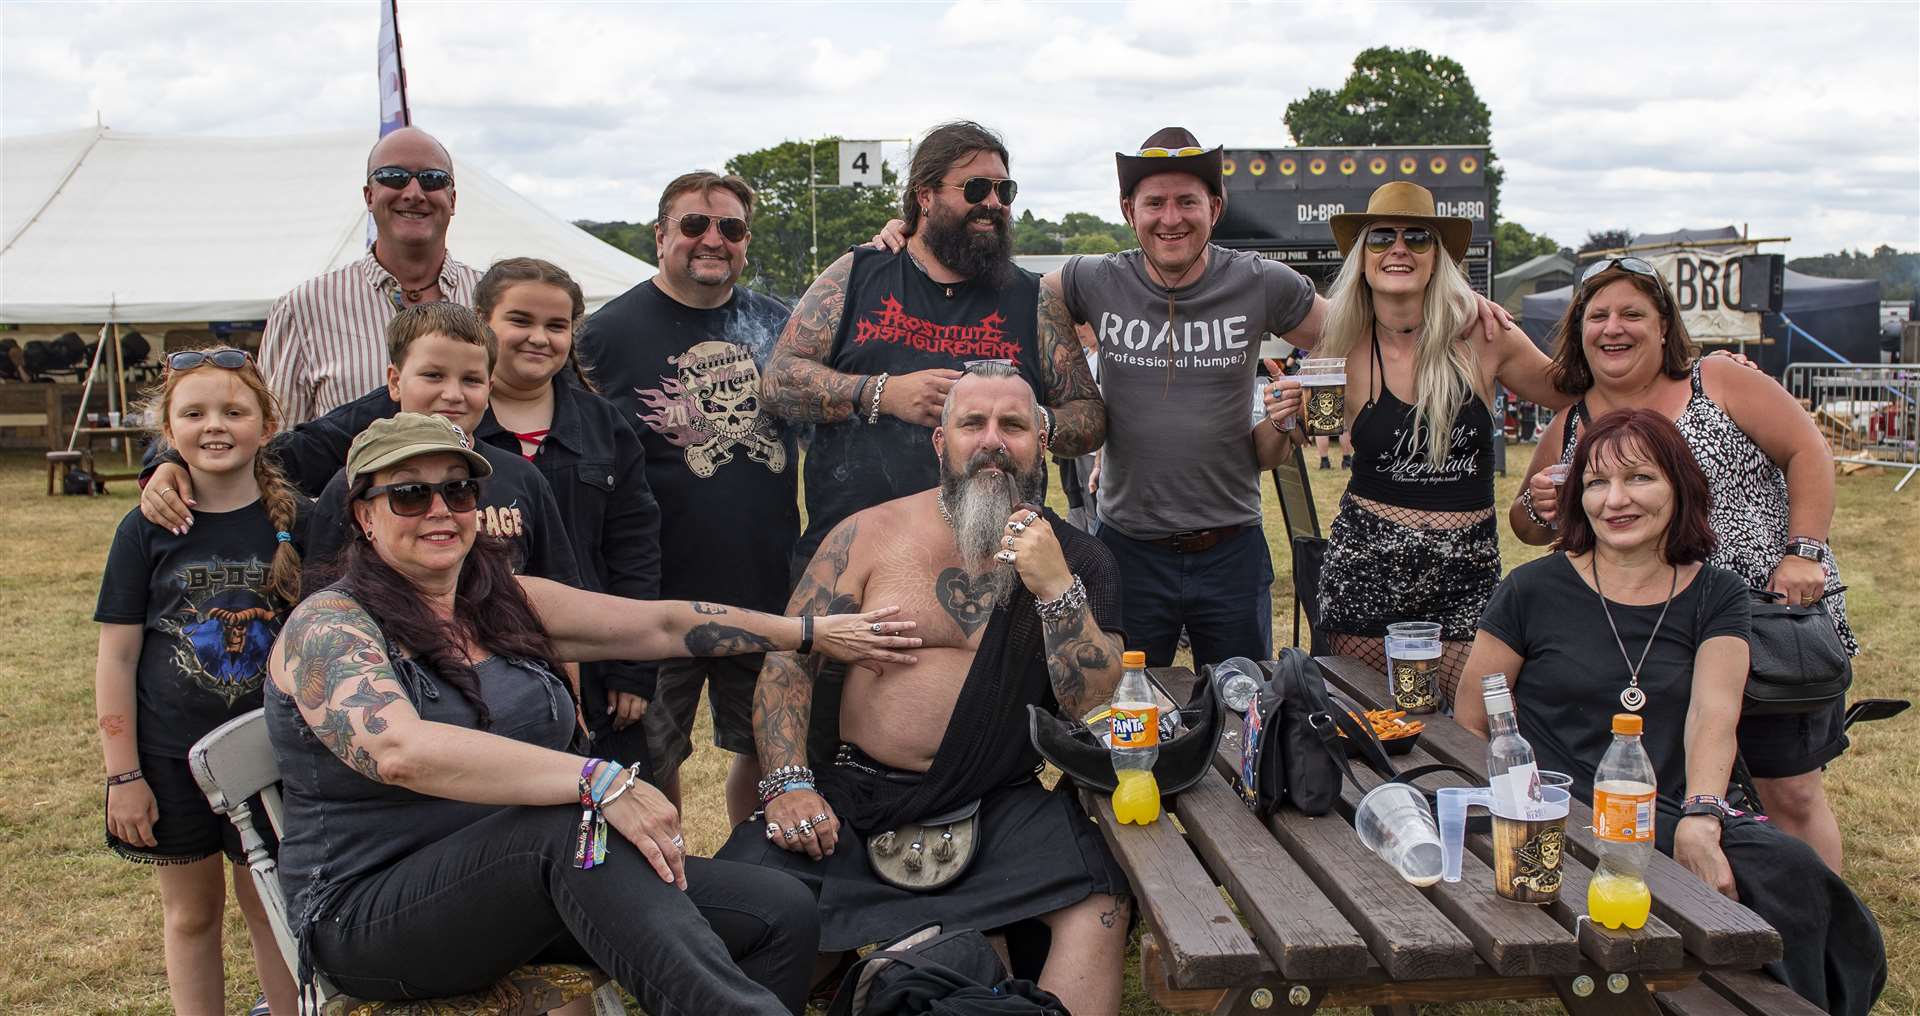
(397, 177)
(693, 226)
(976, 188)
(1418, 238)
(414, 498)
(227, 358)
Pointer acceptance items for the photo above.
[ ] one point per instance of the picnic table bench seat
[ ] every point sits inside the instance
(1292, 913)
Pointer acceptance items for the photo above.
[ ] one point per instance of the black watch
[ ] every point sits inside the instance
(1812, 550)
(1703, 808)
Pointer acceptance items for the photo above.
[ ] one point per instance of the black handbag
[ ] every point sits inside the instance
(1291, 752)
(1798, 663)
(933, 972)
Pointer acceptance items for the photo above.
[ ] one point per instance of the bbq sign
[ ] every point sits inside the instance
(1704, 283)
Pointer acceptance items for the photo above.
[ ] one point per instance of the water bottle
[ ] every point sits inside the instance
(1236, 681)
(1134, 743)
(1511, 772)
(1623, 812)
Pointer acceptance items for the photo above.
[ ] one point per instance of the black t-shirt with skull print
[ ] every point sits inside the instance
(726, 473)
(207, 618)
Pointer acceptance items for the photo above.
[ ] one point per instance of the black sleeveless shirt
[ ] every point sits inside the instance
(896, 321)
(1390, 463)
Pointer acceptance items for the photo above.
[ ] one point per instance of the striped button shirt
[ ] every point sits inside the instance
(326, 340)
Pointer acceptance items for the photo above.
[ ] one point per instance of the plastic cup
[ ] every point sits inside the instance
(1549, 778)
(1413, 665)
(1325, 384)
(1558, 473)
(1393, 821)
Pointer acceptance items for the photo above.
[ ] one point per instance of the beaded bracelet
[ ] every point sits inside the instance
(1526, 502)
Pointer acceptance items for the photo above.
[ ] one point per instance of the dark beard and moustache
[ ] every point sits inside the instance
(979, 504)
(987, 257)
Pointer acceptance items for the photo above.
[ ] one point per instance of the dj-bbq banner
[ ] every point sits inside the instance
(1705, 283)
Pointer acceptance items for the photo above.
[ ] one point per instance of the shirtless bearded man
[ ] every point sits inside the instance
(1015, 607)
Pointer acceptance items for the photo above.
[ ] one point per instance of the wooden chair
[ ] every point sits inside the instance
(234, 763)
(60, 463)
(1304, 542)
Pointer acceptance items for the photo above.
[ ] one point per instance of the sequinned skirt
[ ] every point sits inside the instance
(1379, 570)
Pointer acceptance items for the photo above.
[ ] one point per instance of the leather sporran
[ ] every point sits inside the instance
(929, 854)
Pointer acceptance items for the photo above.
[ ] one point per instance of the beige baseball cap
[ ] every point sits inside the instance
(404, 436)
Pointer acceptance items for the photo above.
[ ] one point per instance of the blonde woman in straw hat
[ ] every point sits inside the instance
(1415, 538)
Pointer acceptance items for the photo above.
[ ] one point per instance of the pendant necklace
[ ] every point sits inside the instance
(1631, 697)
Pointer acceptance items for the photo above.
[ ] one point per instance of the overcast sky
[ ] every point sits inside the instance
(1798, 119)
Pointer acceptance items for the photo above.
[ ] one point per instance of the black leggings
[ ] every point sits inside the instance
(457, 915)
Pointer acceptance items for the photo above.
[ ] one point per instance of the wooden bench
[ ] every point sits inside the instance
(1290, 914)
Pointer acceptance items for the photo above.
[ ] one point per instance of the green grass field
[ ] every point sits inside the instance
(80, 929)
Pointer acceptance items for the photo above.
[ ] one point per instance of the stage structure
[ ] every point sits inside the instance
(1280, 200)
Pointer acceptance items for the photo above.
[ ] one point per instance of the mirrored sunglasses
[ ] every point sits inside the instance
(226, 357)
(975, 189)
(693, 226)
(397, 177)
(414, 498)
(1637, 266)
(1171, 153)
(1418, 238)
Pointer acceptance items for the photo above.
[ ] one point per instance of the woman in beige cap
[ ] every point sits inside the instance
(438, 834)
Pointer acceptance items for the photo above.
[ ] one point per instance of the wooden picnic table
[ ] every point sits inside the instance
(1286, 915)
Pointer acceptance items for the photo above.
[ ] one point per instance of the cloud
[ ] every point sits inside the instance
(1603, 115)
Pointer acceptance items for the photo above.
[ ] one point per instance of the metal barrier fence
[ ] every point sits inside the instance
(1870, 413)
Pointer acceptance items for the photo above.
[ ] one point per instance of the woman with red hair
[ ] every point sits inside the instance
(1669, 643)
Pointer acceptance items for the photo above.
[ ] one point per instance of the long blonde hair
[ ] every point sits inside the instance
(1446, 371)
(277, 493)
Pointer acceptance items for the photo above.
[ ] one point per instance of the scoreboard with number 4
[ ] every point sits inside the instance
(1280, 200)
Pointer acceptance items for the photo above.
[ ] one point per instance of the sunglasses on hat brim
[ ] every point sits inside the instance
(226, 358)
(974, 189)
(1170, 153)
(1419, 239)
(397, 178)
(694, 225)
(414, 498)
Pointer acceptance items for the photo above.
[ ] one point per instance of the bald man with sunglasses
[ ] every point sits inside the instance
(326, 339)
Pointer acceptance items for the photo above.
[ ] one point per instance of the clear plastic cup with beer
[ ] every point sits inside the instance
(1324, 384)
(1413, 665)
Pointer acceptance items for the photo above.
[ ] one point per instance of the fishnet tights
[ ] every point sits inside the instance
(1372, 649)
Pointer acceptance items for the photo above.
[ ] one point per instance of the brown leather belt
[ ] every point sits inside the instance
(1194, 541)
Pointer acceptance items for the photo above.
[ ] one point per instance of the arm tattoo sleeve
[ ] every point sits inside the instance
(339, 664)
(1082, 662)
(783, 697)
(716, 639)
(1079, 414)
(798, 384)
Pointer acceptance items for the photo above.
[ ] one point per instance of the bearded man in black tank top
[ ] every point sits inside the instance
(879, 338)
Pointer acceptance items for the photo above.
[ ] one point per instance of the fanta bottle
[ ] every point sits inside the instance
(1134, 743)
(1623, 810)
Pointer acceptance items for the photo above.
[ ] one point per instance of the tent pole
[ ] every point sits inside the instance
(120, 376)
(86, 391)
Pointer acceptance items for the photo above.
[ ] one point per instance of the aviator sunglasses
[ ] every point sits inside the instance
(414, 498)
(1636, 266)
(693, 226)
(397, 177)
(1418, 238)
(975, 189)
(226, 358)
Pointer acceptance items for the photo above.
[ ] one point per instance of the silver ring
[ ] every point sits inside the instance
(773, 829)
(786, 833)
(806, 828)
(770, 833)
(874, 627)
(1004, 557)
(1033, 517)
(1007, 542)
(1018, 527)
(680, 843)
(822, 817)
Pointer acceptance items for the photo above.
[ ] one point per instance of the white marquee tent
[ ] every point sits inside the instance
(98, 226)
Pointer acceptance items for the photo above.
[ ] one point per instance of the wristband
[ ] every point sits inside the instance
(806, 635)
(1046, 420)
(129, 776)
(776, 782)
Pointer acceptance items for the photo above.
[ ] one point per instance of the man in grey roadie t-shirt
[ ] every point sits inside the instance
(1179, 322)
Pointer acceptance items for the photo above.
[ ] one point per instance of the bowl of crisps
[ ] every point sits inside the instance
(1397, 734)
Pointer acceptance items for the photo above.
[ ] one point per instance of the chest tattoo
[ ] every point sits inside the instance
(968, 600)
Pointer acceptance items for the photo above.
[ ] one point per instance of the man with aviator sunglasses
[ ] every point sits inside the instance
(682, 355)
(325, 343)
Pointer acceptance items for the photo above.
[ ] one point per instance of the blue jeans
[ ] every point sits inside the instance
(1222, 595)
(502, 892)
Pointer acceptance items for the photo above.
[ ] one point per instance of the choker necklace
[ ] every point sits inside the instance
(1409, 330)
(1631, 697)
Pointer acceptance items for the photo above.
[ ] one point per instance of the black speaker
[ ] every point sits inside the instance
(1763, 282)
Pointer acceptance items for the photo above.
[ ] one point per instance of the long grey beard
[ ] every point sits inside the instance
(979, 506)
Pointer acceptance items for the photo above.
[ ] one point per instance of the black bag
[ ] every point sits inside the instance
(80, 483)
(930, 972)
(1798, 663)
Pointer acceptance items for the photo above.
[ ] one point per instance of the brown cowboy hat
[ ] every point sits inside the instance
(1166, 146)
(1405, 202)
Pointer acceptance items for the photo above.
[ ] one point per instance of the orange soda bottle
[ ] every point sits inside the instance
(1623, 811)
(1134, 743)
